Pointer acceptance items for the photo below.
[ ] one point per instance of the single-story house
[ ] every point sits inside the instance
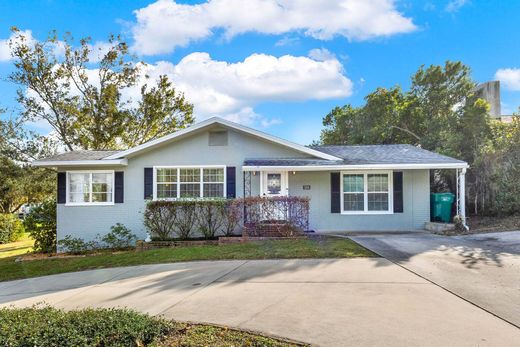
(351, 188)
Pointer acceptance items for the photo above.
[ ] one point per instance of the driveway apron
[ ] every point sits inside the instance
(483, 268)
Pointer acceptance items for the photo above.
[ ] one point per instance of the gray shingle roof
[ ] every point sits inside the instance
(386, 154)
(363, 155)
(350, 155)
(80, 155)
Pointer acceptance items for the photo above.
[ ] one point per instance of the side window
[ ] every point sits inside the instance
(90, 187)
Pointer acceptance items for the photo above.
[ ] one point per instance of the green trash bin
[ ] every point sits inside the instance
(440, 206)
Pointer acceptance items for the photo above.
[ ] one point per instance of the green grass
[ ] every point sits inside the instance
(322, 247)
(22, 246)
(48, 326)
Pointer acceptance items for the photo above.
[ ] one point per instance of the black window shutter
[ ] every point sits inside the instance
(231, 182)
(335, 194)
(62, 188)
(119, 194)
(148, 182)
(398, 192)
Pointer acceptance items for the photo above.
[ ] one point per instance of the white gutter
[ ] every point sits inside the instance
(100, 162)
(358, 167)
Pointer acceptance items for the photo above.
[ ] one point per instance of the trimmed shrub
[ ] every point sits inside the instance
(159, 219)
(119, 237)
(40, 222)
(47, 326)
(210, 217)
(234, 214)
(184, 216)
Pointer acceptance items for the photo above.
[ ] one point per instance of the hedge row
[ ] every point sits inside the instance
(184, 219)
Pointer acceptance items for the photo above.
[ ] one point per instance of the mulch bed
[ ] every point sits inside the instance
(222, 240)
(40, 256)
(479, 224)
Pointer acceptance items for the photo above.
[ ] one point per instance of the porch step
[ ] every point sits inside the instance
(439, 227)
(270, 230)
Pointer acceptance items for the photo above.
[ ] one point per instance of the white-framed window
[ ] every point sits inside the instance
(366, 192)
(90, 187)
(174, 182)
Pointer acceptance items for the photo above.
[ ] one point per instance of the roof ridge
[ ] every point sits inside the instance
(373, 145)
(94, 150)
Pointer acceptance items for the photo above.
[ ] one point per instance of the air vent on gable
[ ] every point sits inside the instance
(218, 138)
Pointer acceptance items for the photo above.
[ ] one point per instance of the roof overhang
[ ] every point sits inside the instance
(81, 163)
(216, 120)
(359, 167)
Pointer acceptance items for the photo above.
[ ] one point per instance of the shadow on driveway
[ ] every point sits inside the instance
(328, 302)
(482, 268)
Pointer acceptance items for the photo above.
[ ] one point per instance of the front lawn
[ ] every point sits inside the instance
(318, 247)
(47, 326)
(22, 246)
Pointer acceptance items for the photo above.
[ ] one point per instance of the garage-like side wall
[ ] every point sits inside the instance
(87, 221)
(416, 201)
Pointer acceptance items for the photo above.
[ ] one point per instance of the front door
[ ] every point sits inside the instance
(274, 183)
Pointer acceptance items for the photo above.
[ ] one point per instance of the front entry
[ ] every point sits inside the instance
(274, 183)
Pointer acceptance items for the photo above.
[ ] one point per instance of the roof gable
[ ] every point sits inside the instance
(213, 121)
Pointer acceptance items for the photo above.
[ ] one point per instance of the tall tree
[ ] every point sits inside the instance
(82, 99)
(21, 183)
(22, 145)
(503, 166)
(440, 112)
(440, 99)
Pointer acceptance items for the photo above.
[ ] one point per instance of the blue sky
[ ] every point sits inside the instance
(282, 68)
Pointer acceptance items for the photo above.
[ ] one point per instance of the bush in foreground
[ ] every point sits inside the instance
(47, 326)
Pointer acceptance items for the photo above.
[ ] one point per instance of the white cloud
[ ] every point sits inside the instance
(165, 24)
(98, 50)
(455, 5)
(5, 51)
(231, 90)
(287, 41)
(510, 78)
(321, 54)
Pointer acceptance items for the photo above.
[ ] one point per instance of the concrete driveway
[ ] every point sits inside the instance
(328, 302)
(482, 268)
